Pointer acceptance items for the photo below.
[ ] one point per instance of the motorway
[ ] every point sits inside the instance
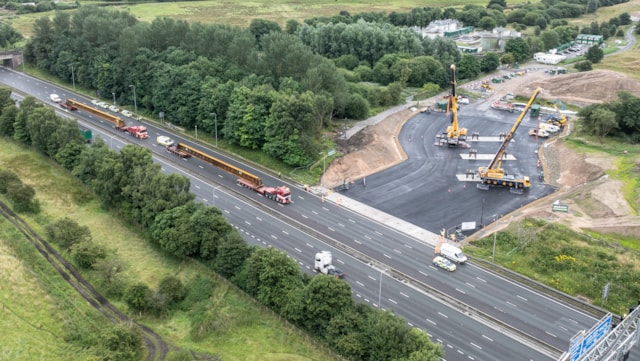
(309, 225)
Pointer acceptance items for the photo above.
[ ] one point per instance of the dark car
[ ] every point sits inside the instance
(335, 272)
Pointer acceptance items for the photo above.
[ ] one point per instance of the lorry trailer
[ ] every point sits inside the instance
(137, 131)
(280, 194)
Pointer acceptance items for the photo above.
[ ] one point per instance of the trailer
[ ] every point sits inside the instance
(173, 149)
(280, 194)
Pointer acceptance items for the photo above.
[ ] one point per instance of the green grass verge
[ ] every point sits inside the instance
(256, 333)
(577, 264)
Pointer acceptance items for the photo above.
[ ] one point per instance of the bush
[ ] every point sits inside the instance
(173, 289)
(584, 65)
(121, 342)
(86, 254)
(8, 181)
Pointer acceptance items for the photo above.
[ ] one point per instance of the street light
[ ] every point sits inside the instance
(196, 131)
(380, 289)
(73, 77)
(216, 126)
(135, 105)
(114, 98)
(493, 254)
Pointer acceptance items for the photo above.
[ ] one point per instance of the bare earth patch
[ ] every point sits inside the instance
(595, 201)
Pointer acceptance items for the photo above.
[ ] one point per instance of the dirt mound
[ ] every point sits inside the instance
(589, 87)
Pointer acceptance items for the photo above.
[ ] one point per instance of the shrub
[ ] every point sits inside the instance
(86, 254)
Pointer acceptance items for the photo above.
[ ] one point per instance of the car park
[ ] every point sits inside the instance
(126, 113)
(444, 263)
(164, 140)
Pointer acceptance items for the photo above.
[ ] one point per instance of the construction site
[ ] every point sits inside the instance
(402, 165)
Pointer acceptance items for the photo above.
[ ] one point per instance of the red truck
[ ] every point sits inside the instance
(138, 131)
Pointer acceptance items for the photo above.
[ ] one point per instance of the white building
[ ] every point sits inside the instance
(546, 58)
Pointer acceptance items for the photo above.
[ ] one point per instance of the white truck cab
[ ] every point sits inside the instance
(452, 252)
(324, 264)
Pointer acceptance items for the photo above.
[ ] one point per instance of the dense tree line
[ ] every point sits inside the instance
(129, 183)
(196, 73)
(619, 118)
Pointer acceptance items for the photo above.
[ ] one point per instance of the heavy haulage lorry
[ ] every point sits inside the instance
(280, 194)
(493, 174)
(138, 131)
(456, 136)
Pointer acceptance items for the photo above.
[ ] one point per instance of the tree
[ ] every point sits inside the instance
(550, 39)
(8, 181)
(489, 62)
(487, 23)
(86, 254)
(324, 298)
(232, 253)
(594, 54)
(66, 232)
(23, 199)
(604, 122)
(507, 58)
(137, 297)
(357, 107)
(272, 276)
(262, 27)
(519, 48)
(468, 67)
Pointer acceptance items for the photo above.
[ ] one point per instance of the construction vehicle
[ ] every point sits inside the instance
(66, 106)
(137, 131)
(493, 174)
(502, 105)
(486, 86)
(455, 135)
(324, 264)
(560, 120)
(280, 194)
(540, 133)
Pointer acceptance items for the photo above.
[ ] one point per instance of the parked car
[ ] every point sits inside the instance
(103, 105)
(165, 141)
(126, 113)
(95, 101)
(114, 108)
(444, 263)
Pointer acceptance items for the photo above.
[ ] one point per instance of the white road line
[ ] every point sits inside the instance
(431, 322)
(473, 344)
(481, 280)
(397, 251)
(386, 255)
(549, 333)
(461, 291)
(394, 302)
(358, 242)
(258, 218)
(442, 314)
(331, 229)
(470, 285)
(197, 186)
(522, 298)
(360, 283)
(488, 338)
(424, 274)
(285, 232)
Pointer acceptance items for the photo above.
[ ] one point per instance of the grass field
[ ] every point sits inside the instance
(35, 323)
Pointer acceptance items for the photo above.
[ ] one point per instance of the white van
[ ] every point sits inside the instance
(55, 98)
(453, 253)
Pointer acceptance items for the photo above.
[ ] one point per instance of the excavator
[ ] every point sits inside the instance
(559, 120)
(494, 175)
(455, 136)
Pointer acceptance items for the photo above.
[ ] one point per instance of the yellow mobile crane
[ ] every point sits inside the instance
(494, 175)
(454, 134)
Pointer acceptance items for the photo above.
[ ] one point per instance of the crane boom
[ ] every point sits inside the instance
(494, 174)
(454, 133)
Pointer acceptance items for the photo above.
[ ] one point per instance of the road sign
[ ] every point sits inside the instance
(605, 291)
(582, 342)
(556, 207)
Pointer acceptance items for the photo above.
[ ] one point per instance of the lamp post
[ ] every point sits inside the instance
(73, 77)
(135, 104)
(493, 253)
(482, 214)
(380, 291)
(114, 98)
(215, 117)
(196, 131)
